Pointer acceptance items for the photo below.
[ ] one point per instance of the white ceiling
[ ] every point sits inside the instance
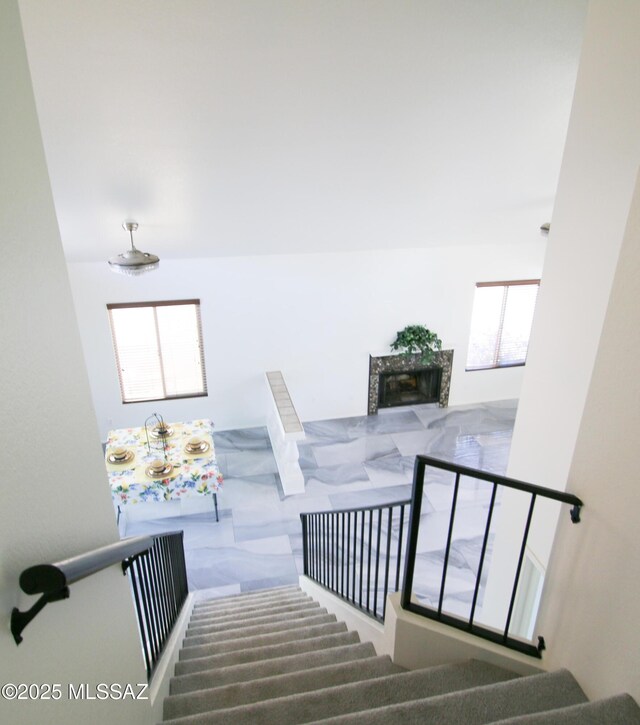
(235, 127)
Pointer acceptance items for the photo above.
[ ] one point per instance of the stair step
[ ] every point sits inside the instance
(245, 596)
(356, 697)
(249, 617)
(261, 669)
(257, 630)
(234, 623)
(261, 600)
(489, 704)
(208, 679)
(277, 686)
(617, 710)
(259, 653)
(248, 611)
(302, 631)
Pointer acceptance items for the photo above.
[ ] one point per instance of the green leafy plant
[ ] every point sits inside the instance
(417, 339)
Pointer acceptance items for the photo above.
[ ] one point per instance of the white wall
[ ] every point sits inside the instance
(55, 495)
(595, 189)
(592, 204)
(591, 613)
(315, 317)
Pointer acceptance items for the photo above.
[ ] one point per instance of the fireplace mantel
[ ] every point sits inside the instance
(408, 363)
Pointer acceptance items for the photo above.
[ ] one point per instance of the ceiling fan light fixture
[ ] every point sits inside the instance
(133, 262)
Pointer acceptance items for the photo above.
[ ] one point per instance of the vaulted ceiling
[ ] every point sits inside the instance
(236, 127)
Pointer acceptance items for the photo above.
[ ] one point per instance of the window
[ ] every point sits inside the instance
(158, 347)
(501, 323)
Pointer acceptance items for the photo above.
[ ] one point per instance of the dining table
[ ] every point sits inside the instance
(162, 462)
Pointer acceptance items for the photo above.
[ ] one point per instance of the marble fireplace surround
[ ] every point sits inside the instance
(408, 363)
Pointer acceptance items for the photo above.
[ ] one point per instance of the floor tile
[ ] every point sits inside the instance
(359, 450)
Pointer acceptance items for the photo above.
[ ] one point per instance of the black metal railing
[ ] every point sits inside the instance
(357, 553)
(158, 580)
(429, 599)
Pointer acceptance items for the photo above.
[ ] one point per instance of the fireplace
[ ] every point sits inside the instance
(403, 380)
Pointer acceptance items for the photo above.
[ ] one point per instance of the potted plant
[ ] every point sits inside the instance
(417, 339)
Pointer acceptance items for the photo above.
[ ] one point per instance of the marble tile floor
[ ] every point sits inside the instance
(347, 463)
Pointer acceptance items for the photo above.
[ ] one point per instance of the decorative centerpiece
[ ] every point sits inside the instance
(161, 430)
(417, 339)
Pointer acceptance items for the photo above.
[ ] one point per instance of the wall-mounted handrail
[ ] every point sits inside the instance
(158, 579)
(350, 552)
(497, 482)
(45, 578)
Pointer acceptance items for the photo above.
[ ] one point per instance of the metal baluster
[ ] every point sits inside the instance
(369, 557)
(483, 551)
(375, 589)
(342, 559)
(519, 567)
(305, 565)
(314, 551)
(446, 555)
(414, 528)
(355, 556)
(361, 555)
(386, 568)
(348, 551)
(399, 560)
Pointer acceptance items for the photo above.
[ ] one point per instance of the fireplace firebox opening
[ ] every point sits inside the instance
(409, 388)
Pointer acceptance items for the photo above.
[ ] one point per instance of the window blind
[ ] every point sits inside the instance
(501, 323)
(158, 349)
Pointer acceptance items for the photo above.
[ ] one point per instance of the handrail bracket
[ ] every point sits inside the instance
(19, 620)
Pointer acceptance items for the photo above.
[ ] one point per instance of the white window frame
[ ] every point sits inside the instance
(156, 367)
(497, 344)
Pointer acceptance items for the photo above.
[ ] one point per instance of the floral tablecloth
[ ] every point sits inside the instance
(192, 475)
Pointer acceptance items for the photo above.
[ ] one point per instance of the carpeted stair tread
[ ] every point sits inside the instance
(280, 685)
(617, 710)
(258, 653)
(253, 594)
(301, 631)
(475, 706)
(217, 626)
(356, 696)
(228, 615)
(248, 601)
(252, 631)
(244, 596)
(263, 605)
(230, 622)
(262, 669)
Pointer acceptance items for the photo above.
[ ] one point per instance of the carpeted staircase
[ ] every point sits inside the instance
(277, 657)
